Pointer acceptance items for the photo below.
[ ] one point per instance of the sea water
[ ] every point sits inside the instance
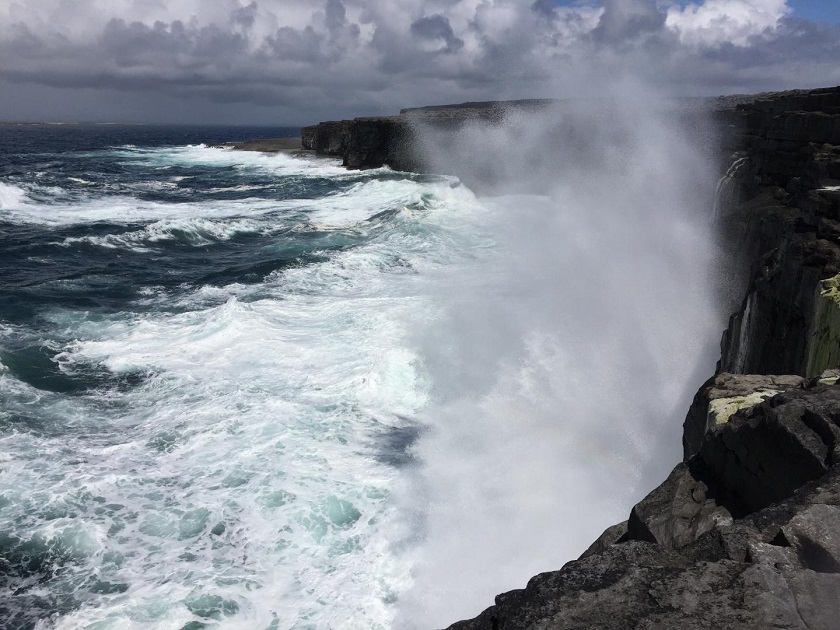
(207, 380)
(256, 391)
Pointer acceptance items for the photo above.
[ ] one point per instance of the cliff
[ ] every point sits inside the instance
(390, 140)
(745, 532)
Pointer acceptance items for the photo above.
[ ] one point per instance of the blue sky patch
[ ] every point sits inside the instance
(825, 11)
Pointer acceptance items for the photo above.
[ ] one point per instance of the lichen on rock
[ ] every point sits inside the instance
(824, 341)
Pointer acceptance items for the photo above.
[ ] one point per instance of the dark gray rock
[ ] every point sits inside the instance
(724, 394)
(365, 142)
(640, 585)
(785, 226)
(612, 535)
(765, 453)
(687, 564)
(769, 583)
(677, 512)
(814, 534)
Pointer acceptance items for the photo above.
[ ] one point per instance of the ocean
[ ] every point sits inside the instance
(256, 391)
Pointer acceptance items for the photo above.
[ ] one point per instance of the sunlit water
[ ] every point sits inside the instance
(208, 383)
(261, 391)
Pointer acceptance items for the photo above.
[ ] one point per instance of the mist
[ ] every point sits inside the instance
(571, 343)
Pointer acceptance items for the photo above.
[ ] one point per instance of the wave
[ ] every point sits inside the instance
(194, 232)
(254, 463)
(203, 155)
(11, 196)
(128, 210)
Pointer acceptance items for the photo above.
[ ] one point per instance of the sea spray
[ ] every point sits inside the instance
(272, 393)
(568, 354)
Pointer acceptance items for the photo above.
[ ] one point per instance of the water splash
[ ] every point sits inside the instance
(569, 350)
(726, 190)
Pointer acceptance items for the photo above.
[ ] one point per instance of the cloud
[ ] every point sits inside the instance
(436, 30)
(725, 21)
(628, 20)
(374, 56)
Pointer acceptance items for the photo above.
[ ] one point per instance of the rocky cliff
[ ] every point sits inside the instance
(745, 532)
(390, 140)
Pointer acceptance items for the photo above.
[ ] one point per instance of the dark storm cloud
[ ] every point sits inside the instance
(375, 55)
(336, 15)
(436, 28)
(628, 20)
(245, 16)
(545, 8)
(296, 45)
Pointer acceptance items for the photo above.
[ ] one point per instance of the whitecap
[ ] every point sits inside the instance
(194, 231)
(11, 196)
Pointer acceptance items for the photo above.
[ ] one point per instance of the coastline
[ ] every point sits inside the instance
(291, 145)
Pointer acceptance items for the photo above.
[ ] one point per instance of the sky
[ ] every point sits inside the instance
(295, 62)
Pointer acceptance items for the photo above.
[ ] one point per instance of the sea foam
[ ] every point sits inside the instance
(11, 196)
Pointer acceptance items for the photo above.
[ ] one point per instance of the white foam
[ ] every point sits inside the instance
(359, 203)
(276, 163)
(270, 408)
(125, 209)
(11, 196)
(196, 232)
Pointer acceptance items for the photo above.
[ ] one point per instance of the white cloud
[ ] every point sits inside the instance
(725, 21)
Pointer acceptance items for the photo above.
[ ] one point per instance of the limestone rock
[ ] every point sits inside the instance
(763, 454)
(677, 512)
(686, 563)
(724, 394)
(770, 583)
(787, 322)
(815, 536)
(612, 535)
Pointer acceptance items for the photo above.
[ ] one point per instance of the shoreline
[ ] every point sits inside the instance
(291, 145)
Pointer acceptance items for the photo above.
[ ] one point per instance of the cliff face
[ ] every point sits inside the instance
(391, 140)
(745, 532)
(364, 142)
(787, 223)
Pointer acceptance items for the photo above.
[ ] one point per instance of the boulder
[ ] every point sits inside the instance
(677, 512)
(723, 395)
(765, 453)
